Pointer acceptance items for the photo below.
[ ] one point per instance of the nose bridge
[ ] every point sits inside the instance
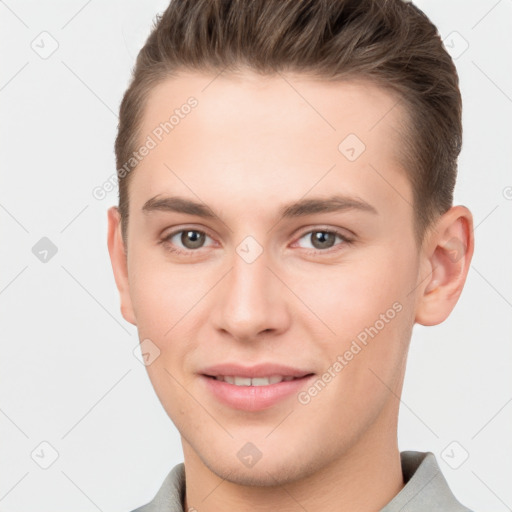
(250, 303)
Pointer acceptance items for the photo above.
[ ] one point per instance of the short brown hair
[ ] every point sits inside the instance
(391, 43)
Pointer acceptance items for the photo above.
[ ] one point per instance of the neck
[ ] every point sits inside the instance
(364, 478)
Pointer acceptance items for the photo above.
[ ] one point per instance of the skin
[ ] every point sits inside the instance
(252, 145)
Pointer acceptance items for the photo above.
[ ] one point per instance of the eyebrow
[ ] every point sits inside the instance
(177, 204)
(300, 208)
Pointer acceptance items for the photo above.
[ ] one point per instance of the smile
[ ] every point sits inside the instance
(255, 381)
(253, 394)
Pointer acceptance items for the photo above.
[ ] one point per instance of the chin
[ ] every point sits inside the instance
(265, 473)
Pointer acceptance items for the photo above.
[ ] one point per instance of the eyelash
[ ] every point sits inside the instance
(346, 241)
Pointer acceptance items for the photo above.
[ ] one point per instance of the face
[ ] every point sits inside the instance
(271, 235)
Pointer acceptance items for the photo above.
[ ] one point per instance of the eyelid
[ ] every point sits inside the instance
(187, 227)
(342, 232)
(326, 227)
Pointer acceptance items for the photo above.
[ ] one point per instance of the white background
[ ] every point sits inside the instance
(68, 373)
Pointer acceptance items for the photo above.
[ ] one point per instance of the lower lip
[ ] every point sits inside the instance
(253, 398)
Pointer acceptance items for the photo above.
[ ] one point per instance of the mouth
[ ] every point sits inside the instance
(255, 381)
(253, 388)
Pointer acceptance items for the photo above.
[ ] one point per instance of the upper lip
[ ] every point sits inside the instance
(259, 370)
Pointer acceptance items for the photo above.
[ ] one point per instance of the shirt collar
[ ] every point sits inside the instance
(425, 488)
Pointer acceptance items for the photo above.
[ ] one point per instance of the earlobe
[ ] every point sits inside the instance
(447, 257)
(118, 259)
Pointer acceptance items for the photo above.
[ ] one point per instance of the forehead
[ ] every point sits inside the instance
(324, 107)
(261, 134)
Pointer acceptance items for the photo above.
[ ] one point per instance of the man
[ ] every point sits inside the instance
(286, 171)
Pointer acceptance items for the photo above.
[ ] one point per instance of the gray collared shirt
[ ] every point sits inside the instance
(425, 489)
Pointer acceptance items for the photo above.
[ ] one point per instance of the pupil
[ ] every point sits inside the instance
(192, 239)
(322, 239)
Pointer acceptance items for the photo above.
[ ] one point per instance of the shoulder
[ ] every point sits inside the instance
(425, 488)
(169, 497)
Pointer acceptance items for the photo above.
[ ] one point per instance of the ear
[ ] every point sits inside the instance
(119, 260)
(446, 256)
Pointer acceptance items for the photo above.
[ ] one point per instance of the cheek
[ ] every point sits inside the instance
(368, 308)
(379, 315)
(162, 296)
(352, 296)
(163, 293)
(167, 299)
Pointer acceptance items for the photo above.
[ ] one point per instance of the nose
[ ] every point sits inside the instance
(251, 302)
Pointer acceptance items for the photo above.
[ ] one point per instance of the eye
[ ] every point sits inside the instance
(322, 239)
(186, 240)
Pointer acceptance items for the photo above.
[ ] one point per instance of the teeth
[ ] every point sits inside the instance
(242, 381)
(256, 381)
